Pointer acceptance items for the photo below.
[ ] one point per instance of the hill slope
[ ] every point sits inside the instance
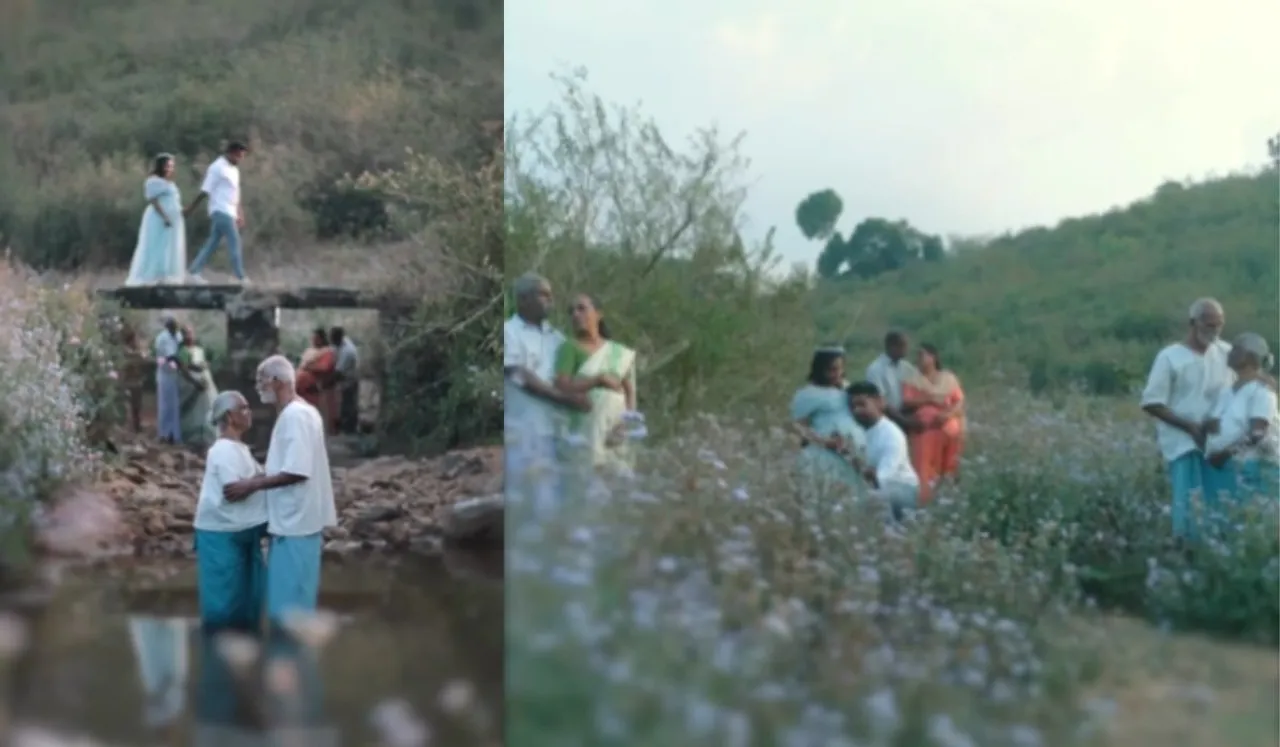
(1088, 301)
(91, 91)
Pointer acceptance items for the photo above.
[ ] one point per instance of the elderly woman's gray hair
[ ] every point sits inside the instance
(223, 405)
(1256, 346)
(527, 283)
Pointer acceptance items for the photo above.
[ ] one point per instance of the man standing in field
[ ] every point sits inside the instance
(530, 400)
(299, 493)
(889, 371)
(1185, 382)
(221, 188)
(347, 367)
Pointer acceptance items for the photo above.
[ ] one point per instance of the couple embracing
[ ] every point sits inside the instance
(583, 387)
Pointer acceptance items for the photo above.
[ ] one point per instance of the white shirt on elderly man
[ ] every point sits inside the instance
(298, 448)
(533, 347)
(1189, 384)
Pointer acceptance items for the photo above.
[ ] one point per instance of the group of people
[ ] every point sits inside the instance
(160, 257)
(898, 432)
(328, 378)
(1217, 423)
(565, 398)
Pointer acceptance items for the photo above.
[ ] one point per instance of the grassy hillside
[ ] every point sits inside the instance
(90, 91)
(1088, 301)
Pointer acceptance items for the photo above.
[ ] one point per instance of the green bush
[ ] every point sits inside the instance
(320, 88)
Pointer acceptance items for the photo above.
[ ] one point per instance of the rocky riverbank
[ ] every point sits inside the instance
(145, 503)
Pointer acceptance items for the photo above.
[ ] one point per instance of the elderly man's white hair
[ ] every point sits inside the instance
(223, 404)
(527, 283)
(1203, 306)
(278, 367)
(1256, 345)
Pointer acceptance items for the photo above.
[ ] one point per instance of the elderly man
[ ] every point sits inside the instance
(299, 493)
(1185, 383)
(889, 371)
(168, 396)
(530, 400)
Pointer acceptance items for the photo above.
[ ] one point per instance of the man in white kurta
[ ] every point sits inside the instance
(531, 404)
(1186, 381)
(888, 372)
(299, 491)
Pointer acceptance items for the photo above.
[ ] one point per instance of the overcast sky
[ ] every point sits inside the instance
(963, 117)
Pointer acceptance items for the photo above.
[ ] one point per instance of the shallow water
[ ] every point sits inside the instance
(409, 632)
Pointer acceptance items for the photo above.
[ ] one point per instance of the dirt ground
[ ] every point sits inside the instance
(144, 504)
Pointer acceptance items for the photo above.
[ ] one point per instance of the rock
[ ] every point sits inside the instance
(477, 519)
(385, 504)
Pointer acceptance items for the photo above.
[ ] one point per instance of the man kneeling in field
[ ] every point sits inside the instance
(887, 467)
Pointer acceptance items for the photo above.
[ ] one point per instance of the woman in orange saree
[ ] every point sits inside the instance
(316, 377)
(934, 400)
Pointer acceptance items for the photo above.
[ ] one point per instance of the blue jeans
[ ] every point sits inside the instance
(222, 226)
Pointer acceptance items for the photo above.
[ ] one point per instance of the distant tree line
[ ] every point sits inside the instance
(875, 246)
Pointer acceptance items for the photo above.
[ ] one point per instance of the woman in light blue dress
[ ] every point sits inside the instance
(821, 415)
(160, 257)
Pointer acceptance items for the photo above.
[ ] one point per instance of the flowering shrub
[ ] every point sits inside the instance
(57, 385)
(709, 602)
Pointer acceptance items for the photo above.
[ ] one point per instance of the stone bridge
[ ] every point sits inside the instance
(252, 329)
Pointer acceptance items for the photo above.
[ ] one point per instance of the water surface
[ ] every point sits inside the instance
(411, 631)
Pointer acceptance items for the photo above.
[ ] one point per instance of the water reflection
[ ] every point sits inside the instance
(406, 637)
(160, 646)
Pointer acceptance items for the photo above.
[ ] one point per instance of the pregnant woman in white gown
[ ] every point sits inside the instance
(161, 255)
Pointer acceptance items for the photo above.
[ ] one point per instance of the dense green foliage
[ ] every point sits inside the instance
(1086, 302)
(874, 247)
(320, 88)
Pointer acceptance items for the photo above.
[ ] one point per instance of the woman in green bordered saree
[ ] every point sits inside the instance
(605, 371)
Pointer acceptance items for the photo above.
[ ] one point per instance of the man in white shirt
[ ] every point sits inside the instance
(230, 573)
(221, 188)
(347, 367)
(299, 493)
(1185, 383)
(168, 397)
(530, 401)
(889, 370)
(888, 463)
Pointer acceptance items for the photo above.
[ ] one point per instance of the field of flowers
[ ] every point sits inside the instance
(58, 388)
(705, 602)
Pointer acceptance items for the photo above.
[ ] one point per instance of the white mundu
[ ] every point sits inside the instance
(229, 461)
(298, 448)
(222, 184)
(1189, 384)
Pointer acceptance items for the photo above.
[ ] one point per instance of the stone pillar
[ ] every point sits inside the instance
(252, 336)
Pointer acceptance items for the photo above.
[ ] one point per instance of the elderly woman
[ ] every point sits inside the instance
(196, 391)
(229, 562)
(604, 370)
(1243, 445)
(821, 416)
